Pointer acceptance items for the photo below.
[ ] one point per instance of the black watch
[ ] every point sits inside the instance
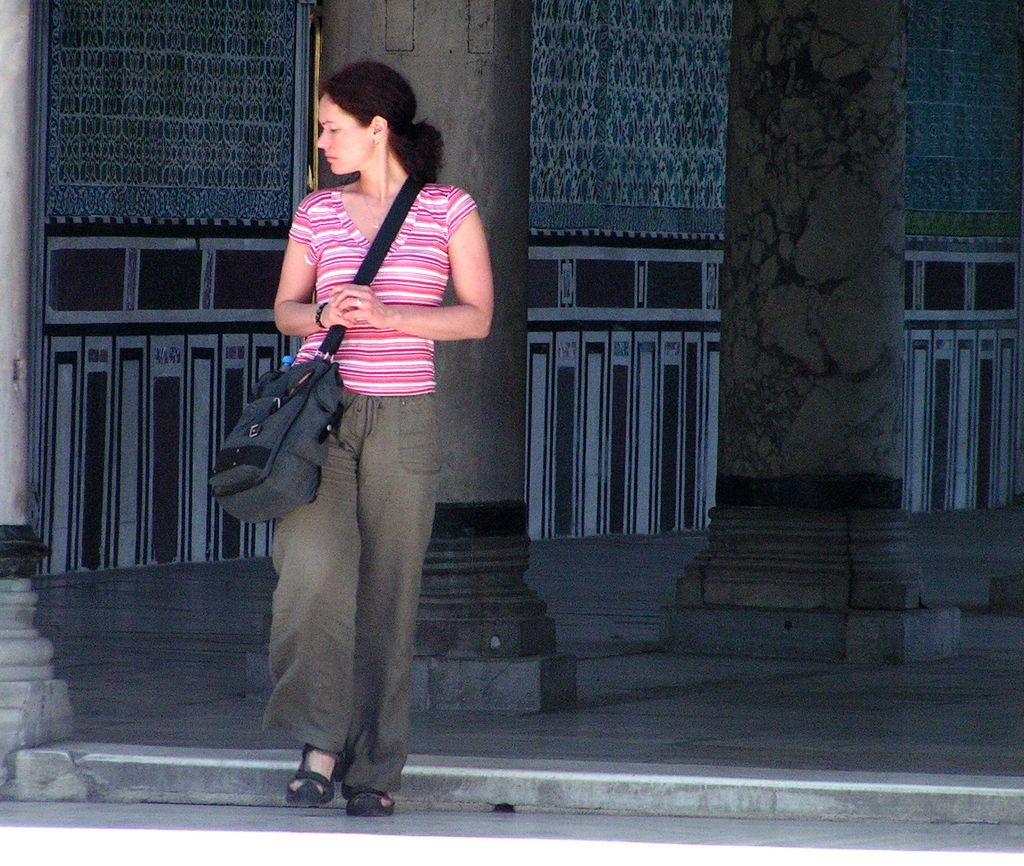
(319, 313)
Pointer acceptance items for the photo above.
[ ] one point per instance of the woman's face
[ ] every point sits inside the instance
(346, 143)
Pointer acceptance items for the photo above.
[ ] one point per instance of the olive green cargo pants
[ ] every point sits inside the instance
(349, 566)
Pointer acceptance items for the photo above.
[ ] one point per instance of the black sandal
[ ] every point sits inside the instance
(367, 803)
(315, 790)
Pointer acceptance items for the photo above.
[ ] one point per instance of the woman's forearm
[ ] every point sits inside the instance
(295, 318)
(449, 322)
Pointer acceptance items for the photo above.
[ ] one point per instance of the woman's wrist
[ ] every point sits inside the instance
(318, 315)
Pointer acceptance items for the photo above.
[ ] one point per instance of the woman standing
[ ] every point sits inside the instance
(349, 563)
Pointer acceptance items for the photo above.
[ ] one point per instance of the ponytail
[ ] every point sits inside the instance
(420, 149)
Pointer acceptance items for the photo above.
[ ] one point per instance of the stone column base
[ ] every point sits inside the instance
(34, 707)
(1006, 593)
(859, 636)
(775, 557)
(475, 602)
(484, 640)
(528, 684)
(33, 712)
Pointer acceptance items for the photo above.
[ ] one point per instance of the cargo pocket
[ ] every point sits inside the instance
(419, 446)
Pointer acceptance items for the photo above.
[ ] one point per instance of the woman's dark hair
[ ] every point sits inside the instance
(369, 89)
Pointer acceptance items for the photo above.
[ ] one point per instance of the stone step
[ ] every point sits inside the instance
(136, 774)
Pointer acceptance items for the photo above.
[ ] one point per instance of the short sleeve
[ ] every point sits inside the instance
(460, 206)
(302, 230)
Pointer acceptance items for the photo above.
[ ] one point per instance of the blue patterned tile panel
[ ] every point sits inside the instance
(630, 105)
(170, 109)
(963, 106)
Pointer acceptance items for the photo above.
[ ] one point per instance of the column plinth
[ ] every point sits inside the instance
(807, 583)
(475, 602)
(484, 640)
(805, 558)
(34, 706)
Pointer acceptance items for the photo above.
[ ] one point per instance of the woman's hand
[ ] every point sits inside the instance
(353, 304)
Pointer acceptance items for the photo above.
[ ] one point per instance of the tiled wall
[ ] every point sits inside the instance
(170, 109)
(629, 108)
(149, 351)
(623, 386)
(623, 390)
(172, 150)
(963, 117)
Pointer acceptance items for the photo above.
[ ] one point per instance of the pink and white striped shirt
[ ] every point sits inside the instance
(415, 272)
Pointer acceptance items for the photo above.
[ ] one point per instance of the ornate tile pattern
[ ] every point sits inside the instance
(629, 108)
(963, 107)
(170, 109)
(629, 116)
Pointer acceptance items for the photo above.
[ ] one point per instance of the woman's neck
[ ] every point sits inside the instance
(382, 179)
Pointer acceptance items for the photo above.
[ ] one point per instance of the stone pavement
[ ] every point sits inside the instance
(155, 666)
(70, 832)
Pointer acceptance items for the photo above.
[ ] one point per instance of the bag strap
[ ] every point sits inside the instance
(387, 233)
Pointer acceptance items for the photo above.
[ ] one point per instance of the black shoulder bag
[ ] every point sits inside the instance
(269, 464)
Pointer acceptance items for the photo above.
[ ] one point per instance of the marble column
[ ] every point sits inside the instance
(484, 638)
(807, 551)
(34, 707)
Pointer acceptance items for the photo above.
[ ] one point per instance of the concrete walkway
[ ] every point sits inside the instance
(154, 662)
(102, 833)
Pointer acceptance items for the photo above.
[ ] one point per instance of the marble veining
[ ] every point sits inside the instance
(812, 279)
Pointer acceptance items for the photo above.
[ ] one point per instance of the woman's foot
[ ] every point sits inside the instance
(369, 804)
(312, 785)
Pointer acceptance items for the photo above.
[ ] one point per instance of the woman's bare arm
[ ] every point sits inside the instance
(468, 318)
(294, 310)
